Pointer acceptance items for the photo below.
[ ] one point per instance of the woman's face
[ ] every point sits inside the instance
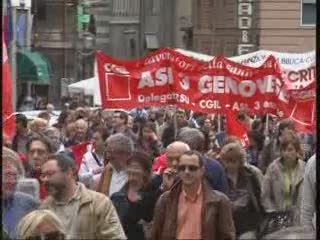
(231, 163)
(147, 133)
(290, 154)
(136, 174)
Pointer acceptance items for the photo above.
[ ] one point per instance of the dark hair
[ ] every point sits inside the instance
(41, 138)
(63, 116)
(147, 124)
(143, 160)
(44, 115)
(103, 132)
(193, 152)
(256, 124)
(258, 137)
(123, 115)
(291, 137)
(286, 123)
(64, 162)
(21, 118)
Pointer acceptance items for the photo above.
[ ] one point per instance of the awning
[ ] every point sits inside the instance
(33, 67)
(89, 87)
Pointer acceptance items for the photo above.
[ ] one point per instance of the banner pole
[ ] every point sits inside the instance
(175, 124)
(219, 123)
(267, 125)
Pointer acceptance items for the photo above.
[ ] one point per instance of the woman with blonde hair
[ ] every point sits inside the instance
(41, 224)
(15, 204)
(244, 189)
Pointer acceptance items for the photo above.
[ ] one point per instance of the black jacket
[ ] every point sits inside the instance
(131, 214)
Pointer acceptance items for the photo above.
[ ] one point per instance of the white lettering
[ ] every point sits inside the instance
(247, 88)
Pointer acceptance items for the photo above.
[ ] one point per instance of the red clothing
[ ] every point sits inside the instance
(43, 191)
(160, 164)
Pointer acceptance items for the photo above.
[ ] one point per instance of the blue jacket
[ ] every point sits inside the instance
(215, 174)
(15, 209)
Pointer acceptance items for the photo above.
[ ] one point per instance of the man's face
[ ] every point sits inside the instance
(9, 179)
(53, 178)
(19, 126)
(81, 131)
(130, 122)
(98, 141)
(55, 138)
(115, 156)
(38, 154)
(173, 155)
(181, 117)
(189, 170)
(116, 120)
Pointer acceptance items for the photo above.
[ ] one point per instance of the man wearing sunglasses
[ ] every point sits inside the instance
(191, 209)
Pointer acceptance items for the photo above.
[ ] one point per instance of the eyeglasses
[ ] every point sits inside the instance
(191, 168)
(48, 236)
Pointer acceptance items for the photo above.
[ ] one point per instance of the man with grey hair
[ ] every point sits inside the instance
(55, 136)
(81, 134)
(119, 149)
(214, 171)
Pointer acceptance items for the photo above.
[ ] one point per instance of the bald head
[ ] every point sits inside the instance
(174, 151)
(81, 129)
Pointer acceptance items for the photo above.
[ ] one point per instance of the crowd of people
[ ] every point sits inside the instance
(156, 173)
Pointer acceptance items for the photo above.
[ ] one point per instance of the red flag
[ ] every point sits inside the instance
(160, 164)
(236, 128)
(7, 108)
(78, 151)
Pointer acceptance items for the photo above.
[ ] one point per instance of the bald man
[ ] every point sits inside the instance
(81, 133)
(173, 152)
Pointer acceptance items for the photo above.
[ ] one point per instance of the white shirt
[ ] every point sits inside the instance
(88, 165)
(118, 180)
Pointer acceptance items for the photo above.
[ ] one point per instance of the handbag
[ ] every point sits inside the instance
(274, 221)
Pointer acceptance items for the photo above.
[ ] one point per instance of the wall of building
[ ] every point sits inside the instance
(54, 35)
(280, 28)
(276, 25)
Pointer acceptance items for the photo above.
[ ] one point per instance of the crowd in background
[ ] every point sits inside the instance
(155, 173)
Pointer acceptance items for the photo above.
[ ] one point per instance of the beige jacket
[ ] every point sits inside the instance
(273, 187)
(97, 217)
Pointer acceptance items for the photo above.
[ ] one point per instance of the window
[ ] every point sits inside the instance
(308, 12)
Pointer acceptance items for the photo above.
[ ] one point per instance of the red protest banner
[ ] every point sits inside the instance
(168, 77)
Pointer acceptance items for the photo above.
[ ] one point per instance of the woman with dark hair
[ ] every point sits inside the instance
(148, 141)
(136, 201)
(282, 185)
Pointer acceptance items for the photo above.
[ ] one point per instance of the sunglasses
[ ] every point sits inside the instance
(48, 236)
(191, 168)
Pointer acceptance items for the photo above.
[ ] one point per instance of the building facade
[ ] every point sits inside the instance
(55, 35)
(230, 28)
